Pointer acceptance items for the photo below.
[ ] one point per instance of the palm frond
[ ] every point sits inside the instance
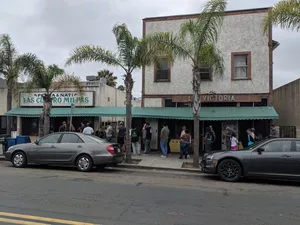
(8, 49)
(66, 81)
(167, 44)
(212, 58)
(88, 53)
(285, 14)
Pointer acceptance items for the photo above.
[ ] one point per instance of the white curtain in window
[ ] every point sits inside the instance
(240, 66)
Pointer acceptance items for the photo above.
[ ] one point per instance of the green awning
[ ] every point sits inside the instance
(206, 113)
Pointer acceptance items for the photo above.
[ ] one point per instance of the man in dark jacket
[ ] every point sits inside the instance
(148, 139)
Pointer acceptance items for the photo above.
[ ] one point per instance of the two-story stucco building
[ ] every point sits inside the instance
(240, 98)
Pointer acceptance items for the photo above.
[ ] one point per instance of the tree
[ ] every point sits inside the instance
(111, 80)
(132, 53)
(11, 66)
(121, 88)
(286, 14)
(196, 42)
(50, 79)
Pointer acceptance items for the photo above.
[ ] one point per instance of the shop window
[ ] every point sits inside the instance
(162, 72)
(241, 66)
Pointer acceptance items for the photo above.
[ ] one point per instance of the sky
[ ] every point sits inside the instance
(52, 28)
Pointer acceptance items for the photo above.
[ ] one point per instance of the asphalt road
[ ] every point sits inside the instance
(46, 195)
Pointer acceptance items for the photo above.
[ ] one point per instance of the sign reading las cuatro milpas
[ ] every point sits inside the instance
(58, 98)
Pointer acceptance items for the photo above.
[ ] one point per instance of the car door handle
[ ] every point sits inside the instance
(79, 146)
(52, 146)
(285, 155)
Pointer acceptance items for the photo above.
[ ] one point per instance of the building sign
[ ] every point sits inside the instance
(62, 99)
(218, 98)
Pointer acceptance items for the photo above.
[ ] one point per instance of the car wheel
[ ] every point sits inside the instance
(19, 160)
(84, 163)
(230, 170)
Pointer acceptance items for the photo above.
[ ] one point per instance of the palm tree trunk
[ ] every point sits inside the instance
(9, 106)
(196, 110)
(41, 124)
(47, 105)
(129, 86)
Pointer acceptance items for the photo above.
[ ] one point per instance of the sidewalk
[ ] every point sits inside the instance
(154, 161)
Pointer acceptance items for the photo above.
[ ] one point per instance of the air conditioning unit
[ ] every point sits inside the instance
(91, 78)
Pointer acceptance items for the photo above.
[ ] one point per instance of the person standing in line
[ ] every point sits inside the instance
(234, 142)
(63, 127)
(228, 135)
(148, 139)
(88, 129)
(144, 132)
(209, 139)
(82, 126)
(109, 132)
(274, 133)
(251, 140)
(164, 136)
(183, 129)
(135, 141)
(185, 142)
(121, 134)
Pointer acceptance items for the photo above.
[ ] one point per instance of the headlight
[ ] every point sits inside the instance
(209, 157)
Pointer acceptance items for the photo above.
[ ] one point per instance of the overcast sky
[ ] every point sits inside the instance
(52, 28)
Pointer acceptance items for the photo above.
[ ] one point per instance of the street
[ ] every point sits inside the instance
(41, 195)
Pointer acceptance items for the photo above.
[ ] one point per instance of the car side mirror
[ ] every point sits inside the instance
(260, 150)
(36, 142)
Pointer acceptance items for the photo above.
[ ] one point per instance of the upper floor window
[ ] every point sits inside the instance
(205, 73)
(162, 72)
(241, 65)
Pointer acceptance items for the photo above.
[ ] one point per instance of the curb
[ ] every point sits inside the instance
(132, 166)
(2, 158)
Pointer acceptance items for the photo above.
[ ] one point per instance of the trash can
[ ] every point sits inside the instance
(3, 142)
(11, 142)
(23, 140)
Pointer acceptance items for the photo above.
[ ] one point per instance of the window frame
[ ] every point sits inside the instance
(209, 72)
(169, 71)
(248, 55)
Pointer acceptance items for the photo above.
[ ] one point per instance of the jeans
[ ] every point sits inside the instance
(136, 148)
(164, 147)
(184, 149)
(147, 146)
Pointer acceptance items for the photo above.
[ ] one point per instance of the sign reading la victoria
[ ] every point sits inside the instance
(62, 99)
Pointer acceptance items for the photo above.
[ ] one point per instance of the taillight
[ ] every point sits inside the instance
(111, 149)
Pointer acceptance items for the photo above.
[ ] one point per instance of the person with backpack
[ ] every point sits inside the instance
(135, 142)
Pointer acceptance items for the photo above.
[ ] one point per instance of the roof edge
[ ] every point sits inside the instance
(227, 13)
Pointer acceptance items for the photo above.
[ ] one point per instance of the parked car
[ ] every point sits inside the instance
(66, 149)
(271, 158)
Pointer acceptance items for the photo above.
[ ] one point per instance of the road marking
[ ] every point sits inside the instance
(44, 219)
(21, 222)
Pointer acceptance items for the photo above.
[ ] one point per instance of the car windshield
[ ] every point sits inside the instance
(94, 139)
(254, 145)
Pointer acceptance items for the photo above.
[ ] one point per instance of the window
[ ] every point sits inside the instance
(162, 72)
(241, 66)
(3, 122)
(94, 139)
(70, 138)
(297, 146)
(278, 146)
(205, 73)
(169, 103)
(50, 139)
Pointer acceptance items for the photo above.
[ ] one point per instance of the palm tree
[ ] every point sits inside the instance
(286, 14)
(121, 88)
(195, 42)
(50, 79)
(132, 53)
(111, 80)
(11, 66)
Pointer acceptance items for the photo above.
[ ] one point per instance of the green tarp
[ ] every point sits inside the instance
(206, 113)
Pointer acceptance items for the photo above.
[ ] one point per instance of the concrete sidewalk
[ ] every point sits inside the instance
(154, 161)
